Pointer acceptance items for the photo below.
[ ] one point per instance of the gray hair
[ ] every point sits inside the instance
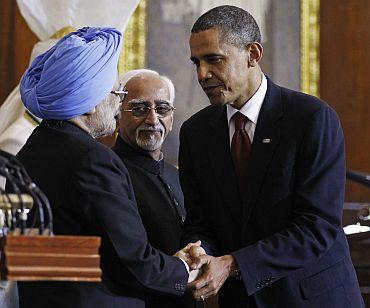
(124, 79)
(236, 25)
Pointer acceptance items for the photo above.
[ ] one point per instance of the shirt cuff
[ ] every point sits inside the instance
(186, 265)
(192, 274)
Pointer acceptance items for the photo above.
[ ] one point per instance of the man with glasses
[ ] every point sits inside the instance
(73, 87)
(146, 119)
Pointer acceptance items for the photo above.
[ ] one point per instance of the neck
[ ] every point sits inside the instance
(254, 82)
(78, 121)
(156, 154)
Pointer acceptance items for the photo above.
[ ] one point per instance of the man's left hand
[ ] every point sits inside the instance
(215, 272)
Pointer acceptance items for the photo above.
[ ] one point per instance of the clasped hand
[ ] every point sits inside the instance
(207, 273)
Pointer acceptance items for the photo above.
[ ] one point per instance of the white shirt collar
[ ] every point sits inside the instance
(160, 156)
(251, 108)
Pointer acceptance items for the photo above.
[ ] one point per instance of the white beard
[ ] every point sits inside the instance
(153, 142)
(103, 122)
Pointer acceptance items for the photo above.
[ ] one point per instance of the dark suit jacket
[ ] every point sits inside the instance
(90, 192)
(160, 203)
(286, 233)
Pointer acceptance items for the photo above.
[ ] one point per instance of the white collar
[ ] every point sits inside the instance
(252, 107)
(160, 156)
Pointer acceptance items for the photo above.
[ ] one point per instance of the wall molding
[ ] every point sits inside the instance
(133, 55)
(310, 47)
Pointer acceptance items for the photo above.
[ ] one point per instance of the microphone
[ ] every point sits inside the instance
(358, 177)
(26, 184)
(14, 171)
(4, 171)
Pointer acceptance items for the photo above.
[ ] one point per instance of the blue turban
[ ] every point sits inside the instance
(74, 76)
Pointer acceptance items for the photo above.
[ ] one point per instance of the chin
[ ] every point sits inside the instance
(152, 144)
(217, 101)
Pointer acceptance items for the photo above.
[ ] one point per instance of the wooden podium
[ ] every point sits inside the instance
(33, 257)
(54, 258)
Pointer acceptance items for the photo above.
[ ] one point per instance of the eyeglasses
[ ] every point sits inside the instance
(143, 111)
(121, 92)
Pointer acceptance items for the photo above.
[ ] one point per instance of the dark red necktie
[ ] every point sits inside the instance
(240, 148)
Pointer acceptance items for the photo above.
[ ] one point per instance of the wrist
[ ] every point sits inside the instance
(233, 268)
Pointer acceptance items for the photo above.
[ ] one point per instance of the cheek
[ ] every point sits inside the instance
(127, 123)
(168, 125)
(236, 79)
(225, 74)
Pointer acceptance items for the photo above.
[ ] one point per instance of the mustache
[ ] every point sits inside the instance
(153, 128)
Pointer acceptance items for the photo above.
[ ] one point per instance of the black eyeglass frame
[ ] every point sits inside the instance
(148, 109)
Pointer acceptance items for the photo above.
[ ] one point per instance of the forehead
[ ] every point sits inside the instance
(148, 87)
(206, 42)
(210, 42)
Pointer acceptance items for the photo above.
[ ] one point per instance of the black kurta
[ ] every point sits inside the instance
(160, 203)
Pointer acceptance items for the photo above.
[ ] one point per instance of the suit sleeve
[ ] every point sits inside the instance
(196, 226)
(316, 209)
(103, 188)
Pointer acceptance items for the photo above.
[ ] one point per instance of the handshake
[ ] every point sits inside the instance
(207, 274)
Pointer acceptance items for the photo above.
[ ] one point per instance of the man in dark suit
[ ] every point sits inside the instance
(262, 170)
(74, 88)
(146, 119)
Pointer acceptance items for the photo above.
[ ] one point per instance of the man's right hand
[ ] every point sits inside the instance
(189, 253)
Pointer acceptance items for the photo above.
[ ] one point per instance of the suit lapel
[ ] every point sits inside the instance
(221, 162)
(265, 140)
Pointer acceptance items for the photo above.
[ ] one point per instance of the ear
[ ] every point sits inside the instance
(92, 111)
(255, 52)
(170, 128)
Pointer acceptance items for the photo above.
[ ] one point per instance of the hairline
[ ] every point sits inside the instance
(223, 36)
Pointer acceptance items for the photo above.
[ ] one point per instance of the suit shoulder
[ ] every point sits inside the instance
(299, 103)
(101, 152)
(199, 118)
(89, 152)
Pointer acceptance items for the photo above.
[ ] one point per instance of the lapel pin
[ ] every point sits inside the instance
(267, 140)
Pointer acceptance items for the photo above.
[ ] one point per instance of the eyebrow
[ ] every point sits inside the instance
(138, 101)
(162, 102)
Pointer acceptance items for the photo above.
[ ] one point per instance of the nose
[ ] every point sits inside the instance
(203, 72)
(152, 117)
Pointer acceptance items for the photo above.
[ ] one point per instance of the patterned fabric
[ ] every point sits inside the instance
(240, 148)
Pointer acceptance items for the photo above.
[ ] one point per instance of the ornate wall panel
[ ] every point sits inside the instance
(133, 54)
(310, 43)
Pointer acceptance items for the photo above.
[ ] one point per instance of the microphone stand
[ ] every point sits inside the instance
(4, 171)
(18, 177)
(359, 177)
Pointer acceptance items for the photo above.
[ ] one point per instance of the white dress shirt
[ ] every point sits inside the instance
(251, 110)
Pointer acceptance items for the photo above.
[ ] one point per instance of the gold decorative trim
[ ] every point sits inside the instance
(62, 32)
(310, 46)
(133, 55)
(30, 119)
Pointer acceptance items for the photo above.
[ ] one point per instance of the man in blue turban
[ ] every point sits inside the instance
(73, 87)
